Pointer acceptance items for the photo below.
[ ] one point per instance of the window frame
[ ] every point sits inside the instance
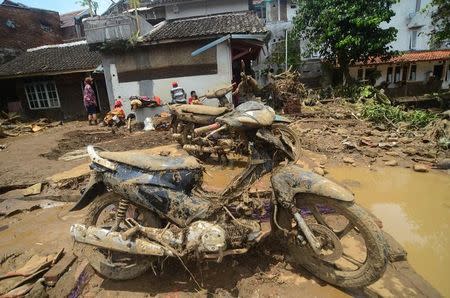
(413, 70)
(360, 74)
(37, 100)
(413, 36)
(418, 5)
(390, 75)
(398, 74)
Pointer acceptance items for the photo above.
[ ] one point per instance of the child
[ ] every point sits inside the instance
(116, 116)
(193, 100)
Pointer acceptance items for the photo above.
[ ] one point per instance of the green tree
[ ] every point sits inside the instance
(345, 31)
(440, 19)
(91, 4)
(135, 4)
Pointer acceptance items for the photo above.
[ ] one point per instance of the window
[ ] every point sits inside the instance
(360, 74)
(10, 24)
(389, 75)
(418, 4)
(412, 74)
(315, 54)
(404, 73)
(413, 40)
(42, 95)
(397, 74)
(447, 76)
(438, 70)
(46, 27)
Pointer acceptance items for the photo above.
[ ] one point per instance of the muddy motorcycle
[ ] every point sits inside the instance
(144, 208)
(197, 129)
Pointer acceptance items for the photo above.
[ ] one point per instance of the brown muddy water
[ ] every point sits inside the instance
(415, 210)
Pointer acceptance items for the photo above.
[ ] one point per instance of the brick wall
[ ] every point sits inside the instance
(22, 28)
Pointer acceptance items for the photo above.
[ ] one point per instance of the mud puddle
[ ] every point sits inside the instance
(415, 210)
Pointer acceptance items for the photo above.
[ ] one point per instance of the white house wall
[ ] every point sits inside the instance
(423, 71)
(205, 7)
(407, 19)
(161, 87)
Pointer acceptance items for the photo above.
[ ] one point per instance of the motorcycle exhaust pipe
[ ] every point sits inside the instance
(207, 128)
(114, 241)
(197, 148)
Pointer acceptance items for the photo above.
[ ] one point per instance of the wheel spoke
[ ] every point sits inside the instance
(316, 213)
(352, 260)
(345, 231)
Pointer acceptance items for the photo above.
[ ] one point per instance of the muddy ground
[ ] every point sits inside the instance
(337, 131)
(30, 158)
(334, 132)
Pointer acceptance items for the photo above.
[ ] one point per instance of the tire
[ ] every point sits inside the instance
(96, 257)
(376, 257)
(292, 135)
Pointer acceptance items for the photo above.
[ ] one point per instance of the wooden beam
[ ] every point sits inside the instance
(241, 54)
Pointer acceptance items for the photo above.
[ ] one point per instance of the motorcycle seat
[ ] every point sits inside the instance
(151, 162)
(203, 110)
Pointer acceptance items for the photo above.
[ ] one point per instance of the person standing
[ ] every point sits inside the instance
(178, 94)
(89, 100)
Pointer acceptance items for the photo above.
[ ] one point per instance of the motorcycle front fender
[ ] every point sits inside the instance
(292, 180)
(93, 189)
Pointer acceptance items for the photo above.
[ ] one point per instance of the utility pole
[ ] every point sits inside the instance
(279, 10)
(286, 50)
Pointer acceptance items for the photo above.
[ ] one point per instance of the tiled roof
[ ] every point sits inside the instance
(414, 57)
(208, 26)
(161, 2)
(52, 59)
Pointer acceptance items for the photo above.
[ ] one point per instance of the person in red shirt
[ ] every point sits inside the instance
(116, 116)
(193, 100)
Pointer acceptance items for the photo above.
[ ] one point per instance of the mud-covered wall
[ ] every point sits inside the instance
(200, 80)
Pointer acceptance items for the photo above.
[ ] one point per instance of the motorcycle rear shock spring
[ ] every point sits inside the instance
(120, 213)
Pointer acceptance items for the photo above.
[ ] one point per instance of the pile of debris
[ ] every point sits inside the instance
(37, 273)
(288, 91)
(162, 121)
(338, 130)
(11, 126)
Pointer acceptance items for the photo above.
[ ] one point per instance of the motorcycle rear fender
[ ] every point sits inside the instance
(292, 180)
(94, 188)
(281, 119)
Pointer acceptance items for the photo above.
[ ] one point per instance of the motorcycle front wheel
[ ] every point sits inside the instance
(288, 136)
(114, 265)
(353, 250)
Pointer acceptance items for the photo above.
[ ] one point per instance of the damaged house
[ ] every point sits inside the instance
(23, 27)
(199, 45)
(48, 81)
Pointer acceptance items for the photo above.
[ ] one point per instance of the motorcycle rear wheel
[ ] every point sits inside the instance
(128, 266)
(350, 267)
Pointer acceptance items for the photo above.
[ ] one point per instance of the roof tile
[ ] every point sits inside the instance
(413, 57)
(213, 25)
(53, 59)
